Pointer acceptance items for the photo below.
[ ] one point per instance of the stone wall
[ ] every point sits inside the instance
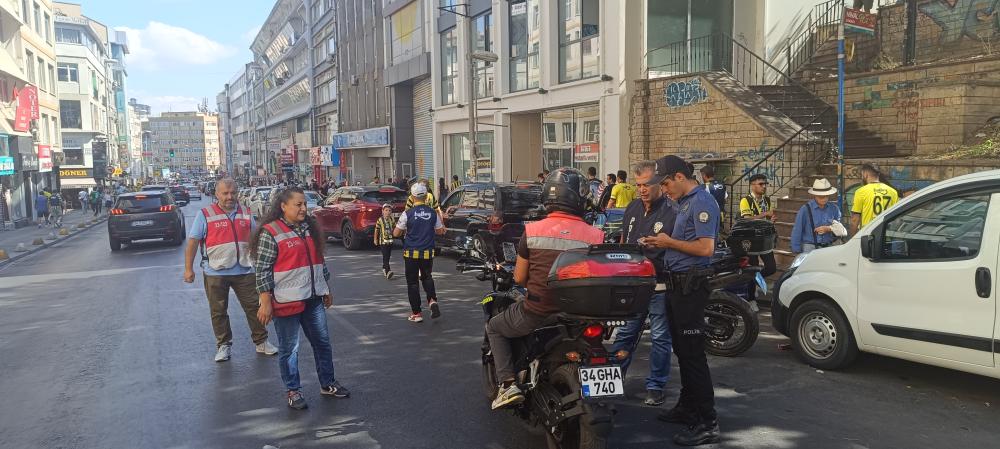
(908, 175)
(924, 109)
(946, 30)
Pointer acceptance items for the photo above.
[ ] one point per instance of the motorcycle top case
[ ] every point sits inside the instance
(752, 238)
(608, 280)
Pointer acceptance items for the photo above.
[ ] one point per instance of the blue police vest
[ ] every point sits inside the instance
(420, 223)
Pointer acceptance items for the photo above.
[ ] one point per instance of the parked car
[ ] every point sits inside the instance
(917, 283)
(350, 213)
(259, 200)
(193, 192)
(313, 199)
(150, 214)
(475, 213)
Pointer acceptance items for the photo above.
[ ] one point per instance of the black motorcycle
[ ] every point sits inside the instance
(563, 368)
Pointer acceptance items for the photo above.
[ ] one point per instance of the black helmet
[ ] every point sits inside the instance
(566, 189)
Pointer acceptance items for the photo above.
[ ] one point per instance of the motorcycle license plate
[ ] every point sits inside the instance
(761, 282)
(601, 381)
(142, 223)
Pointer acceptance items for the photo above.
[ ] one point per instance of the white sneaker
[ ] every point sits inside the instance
(225, 351)
(267, 348)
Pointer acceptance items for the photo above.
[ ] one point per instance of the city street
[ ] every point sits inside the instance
(113, 350)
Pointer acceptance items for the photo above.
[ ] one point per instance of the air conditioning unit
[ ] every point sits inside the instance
(354, 80)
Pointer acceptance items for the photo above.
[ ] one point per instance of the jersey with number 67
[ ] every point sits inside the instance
(873, 199)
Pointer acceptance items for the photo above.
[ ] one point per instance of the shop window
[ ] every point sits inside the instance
(579, 143)
(405, 34)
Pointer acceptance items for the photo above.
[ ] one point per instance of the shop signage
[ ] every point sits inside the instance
(76, 173)
(373, 137)
(484, 163)
(315, 156)
(326, 155)
(6, 165)
(859, 21)
(27, 108)
(587, 153)
(517, 9)
(44, 158)
(29, 161)
(287, 156)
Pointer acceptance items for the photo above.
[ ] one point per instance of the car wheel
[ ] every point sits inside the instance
(349, 237)
(116, 245)
(821, 336)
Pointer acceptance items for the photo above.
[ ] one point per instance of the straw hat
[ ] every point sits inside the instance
(822, 187)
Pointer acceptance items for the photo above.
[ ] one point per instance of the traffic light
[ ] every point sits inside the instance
(171, 152)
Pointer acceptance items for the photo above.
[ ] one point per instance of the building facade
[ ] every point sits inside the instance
(322, 16)
(118, 118)
(183, 142)
(37, 38)
(407, 75)
(18, 156)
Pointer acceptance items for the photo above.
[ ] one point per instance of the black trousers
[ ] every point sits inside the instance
(386, 256)
(686, 315)
(419, 271)
(770, 267)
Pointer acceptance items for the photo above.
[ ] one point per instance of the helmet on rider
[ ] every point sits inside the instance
(566, 190)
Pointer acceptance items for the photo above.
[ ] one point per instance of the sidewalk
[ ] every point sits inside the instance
(9, 240)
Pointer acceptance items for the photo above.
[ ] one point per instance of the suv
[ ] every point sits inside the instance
(150, 214)
(350, 213)
(193, 191)
(477, 212)
(259, 200)
(917, 283)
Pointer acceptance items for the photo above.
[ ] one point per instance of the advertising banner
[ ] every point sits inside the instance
(6, 165)
(587, 153)
(44, 158)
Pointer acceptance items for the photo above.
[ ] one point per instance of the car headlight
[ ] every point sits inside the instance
(798, 261)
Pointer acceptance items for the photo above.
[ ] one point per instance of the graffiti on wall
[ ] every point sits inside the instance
(685, 93)
(771, 168)
(974, 19)
(902, 178)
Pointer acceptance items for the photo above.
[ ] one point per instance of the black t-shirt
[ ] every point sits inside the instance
(637, 223)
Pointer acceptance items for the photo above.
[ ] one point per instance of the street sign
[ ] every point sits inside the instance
(859, 21)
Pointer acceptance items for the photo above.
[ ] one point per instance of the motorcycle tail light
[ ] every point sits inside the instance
(593, 331)
(744, 262)
(598, 360)
(573, 356)
(621, 355)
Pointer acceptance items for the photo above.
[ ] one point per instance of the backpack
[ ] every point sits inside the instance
(55, 201)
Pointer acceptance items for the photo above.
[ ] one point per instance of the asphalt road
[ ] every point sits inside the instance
(103, 350)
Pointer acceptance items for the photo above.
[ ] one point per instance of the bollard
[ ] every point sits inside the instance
(37, 242)
(3, 255)
(20, 248)
(51, 236)
(81, 226)
(63, 231)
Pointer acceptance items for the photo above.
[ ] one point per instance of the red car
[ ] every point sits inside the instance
(350, 213)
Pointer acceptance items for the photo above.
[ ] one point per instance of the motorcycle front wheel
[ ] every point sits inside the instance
(731, 326)
(575, 432)
(490, 383)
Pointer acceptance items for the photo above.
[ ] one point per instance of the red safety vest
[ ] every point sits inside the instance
(546, 240)
(227, 241)
(298, 271)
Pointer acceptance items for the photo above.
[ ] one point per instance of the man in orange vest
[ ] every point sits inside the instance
(223, 232)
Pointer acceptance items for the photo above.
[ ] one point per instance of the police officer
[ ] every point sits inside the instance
(654, 213)
(689, 248)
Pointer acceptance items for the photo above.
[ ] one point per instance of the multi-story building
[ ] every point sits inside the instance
(138, 116)
(183, 142)
(84, 89)
(323, 18)
(18, 155)
(235, 112)
(37, 36)
(119, 126)
(559, 93)
(363, 140)
(408, 77)
(282, 85)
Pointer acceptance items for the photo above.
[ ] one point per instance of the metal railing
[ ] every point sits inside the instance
(820, 27)
(805, 150)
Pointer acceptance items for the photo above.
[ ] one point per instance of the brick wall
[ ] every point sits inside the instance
(925, 109)
(946, 30)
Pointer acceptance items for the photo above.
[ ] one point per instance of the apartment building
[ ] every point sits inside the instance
(18, 155)
(118, 118)
(183, 142)
(322, 16)
(408, 78)
(37, 38)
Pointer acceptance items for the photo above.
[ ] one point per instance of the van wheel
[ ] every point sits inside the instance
(822, 337)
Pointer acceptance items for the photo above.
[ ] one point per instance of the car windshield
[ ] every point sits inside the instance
(265, 194)
(140, 203)
(521, 198)
(312, 196)
(385, 197)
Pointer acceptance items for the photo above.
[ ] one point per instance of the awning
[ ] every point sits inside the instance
(77, 183)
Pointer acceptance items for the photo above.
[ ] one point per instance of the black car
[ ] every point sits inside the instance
(150, 214)
(181, 196)
(476, 213)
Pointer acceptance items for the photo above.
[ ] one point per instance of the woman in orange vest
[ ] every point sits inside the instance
(292, 283)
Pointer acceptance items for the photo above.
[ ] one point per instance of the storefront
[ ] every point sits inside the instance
(6, 176)
(73, 181)
(364, 155)
(572, 138)
(471, 168)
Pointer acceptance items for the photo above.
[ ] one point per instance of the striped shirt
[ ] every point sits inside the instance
(267, 255)
(419, 253)
(431, 202)
(383, 231)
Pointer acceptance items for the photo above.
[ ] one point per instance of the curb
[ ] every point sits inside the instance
(74, 231)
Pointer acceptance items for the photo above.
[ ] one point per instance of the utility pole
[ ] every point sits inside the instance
(470, 29)
(840, 104)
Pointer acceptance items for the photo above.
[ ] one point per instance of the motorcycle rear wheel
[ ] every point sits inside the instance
(729, 337)
(575, 432)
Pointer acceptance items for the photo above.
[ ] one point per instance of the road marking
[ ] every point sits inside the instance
(18, 281)
(353, 330)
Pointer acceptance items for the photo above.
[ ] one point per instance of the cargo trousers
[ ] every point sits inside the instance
(217, 291)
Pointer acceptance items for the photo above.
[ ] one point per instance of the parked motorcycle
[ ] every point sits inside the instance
(564, 369)
(731, 324)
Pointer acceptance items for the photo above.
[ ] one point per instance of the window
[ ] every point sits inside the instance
(68, 72)
(592, 131)
(449, 65)
(48, 28)
(484, 42)
(525, 35)
(69, 114)
(41, 73)
(74, 156)
(578, 145)
(453, 201)
(549, 132)
(943, 228)
(567, 129)
(68, 36)
(24, 10)
(579, 48)
(29, 64)
(38, 19)
(470, 199)
(52, 80)
(405, 34)
(45, 129)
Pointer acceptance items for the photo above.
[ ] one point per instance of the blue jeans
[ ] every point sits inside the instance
(627, 338)
(313, 323)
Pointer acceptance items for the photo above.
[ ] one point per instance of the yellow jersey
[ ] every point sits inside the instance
(749, 206)
(622, 194)
(873, 199)
(431, 202)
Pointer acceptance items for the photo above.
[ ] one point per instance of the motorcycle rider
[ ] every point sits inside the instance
(655, 212)
(689, 248)
(566, 196)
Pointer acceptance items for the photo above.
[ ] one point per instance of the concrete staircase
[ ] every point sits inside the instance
(786, 208)
(803, 106)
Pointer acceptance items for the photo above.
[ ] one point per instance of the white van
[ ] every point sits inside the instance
(916, 283)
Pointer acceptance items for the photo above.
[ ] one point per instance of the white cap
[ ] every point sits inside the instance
(418, 189)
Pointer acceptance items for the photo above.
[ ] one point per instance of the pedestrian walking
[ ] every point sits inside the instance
(654, 213)
(108, 199)
(83, 197)
(689, 247)
(455, 183)
(420, 224)
(817, 224)
(383, 238)
(222, 231)
(442, 189)
(871, 199)
(293, 288)
(56, 209)
(95, 201)
(42, 209)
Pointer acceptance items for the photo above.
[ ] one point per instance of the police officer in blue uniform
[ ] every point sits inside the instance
(689, 248)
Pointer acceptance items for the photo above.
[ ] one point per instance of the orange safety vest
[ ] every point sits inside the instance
(298, 271)
(546, 240)
(227, 241)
